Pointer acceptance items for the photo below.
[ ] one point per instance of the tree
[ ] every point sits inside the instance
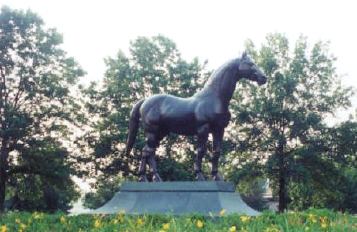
(153, 66)
(337, 188)
(47, 184)
(282, 124)
(36, 107)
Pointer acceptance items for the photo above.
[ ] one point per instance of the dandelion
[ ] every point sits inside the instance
(222, 212)
(166, 226)
(244, 218)
(97, 223)
(233, 229)
(63, 220)
(199, 224)
(3, 228)
(140, 221)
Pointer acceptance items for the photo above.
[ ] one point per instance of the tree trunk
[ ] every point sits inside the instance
(282, 190)
(3, 178)
(282, 180)
(3, 148)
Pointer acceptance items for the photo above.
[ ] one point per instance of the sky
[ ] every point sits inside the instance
(208, 29)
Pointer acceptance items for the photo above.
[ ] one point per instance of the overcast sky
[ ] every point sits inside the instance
(212, 30)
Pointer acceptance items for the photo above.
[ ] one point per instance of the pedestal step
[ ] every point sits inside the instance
(177, 198)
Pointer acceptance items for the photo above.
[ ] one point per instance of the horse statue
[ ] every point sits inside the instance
(203, 113)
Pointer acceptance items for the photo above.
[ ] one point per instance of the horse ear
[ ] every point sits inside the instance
(244, 55)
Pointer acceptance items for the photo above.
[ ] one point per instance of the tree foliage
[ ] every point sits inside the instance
(282, 124)
(36, 108)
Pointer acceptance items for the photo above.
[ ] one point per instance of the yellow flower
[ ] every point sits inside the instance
(121, 214)
(3, 228)
(199, 224)
(18, 221)
(140, 221)
(29, 221)
(312, 218)
(97, 223)
(273, 228)
(166, 226)
(244, 219)
(37, 215)
(222, 212)
(233, 229)
(115, 221)
(63, 220)
(22, 226)
(324, 222)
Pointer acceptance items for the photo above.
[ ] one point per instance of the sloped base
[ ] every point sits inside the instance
(177, 198)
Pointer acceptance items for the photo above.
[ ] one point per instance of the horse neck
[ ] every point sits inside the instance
(222, 84)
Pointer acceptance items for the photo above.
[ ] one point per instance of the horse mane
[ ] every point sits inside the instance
(216, 79)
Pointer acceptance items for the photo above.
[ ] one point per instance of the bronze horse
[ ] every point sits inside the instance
(203, 113)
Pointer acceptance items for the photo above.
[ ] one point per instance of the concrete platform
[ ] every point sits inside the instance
(177, 198)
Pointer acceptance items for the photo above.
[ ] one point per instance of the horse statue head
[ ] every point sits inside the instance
(249, 70)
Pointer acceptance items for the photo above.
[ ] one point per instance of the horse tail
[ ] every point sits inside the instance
(133, 126)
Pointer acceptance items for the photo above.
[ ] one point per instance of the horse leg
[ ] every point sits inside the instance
(150, 148)
(217, 147)
(202, 135)
(142, 169)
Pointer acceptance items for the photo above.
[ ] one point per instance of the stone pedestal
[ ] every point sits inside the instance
(177, 198)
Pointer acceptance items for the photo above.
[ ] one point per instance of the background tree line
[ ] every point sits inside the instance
(278, 131)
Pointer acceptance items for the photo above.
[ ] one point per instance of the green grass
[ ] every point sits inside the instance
(310, 220)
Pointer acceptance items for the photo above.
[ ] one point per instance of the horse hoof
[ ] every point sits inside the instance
(143, 178)
(156, 178)
(217, 177)
(200, 177)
